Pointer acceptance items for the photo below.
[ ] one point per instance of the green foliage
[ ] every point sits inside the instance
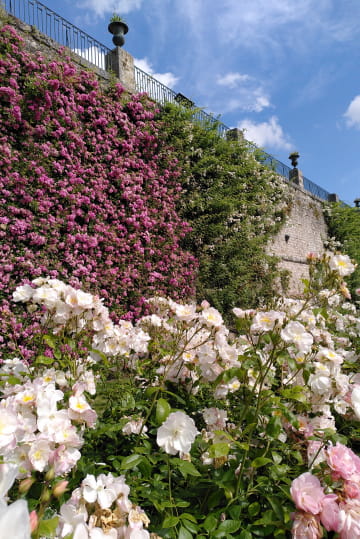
(344, 227)
(234, 205)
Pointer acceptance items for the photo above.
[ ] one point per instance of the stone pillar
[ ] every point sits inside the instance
(235, 134)
(333, 197)
(296, 176)
(122, 64)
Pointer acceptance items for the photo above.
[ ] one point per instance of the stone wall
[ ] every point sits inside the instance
(304, 231)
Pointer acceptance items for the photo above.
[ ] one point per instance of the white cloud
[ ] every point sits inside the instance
(106, 7)
(261, 101)
(168, 78)
(244, 93)
(266, 134)
(231, 79)
(352, 114)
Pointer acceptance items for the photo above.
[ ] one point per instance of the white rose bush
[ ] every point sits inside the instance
(177, 426)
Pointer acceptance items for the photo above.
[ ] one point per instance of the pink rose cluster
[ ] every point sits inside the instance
(88, 191)
(338, 511)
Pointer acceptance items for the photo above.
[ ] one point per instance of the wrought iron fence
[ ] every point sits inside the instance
(316, 189)
(48, 22)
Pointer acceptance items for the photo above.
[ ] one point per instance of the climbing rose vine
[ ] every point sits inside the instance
(86, 192)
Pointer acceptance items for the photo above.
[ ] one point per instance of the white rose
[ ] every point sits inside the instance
(177, 433)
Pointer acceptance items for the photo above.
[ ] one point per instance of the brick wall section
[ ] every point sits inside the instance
(304, 231)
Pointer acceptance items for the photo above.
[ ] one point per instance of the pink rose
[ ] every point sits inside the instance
(306, 526)
(351, 489)
(343, 461)
(307, 493)
(329, 515)
(350, 519)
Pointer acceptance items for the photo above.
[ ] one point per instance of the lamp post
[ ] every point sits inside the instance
(357, 202)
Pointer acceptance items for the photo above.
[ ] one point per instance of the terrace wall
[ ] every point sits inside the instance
(305, 231)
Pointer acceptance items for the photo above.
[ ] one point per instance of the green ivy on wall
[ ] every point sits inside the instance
(344, 227)
(234, 206)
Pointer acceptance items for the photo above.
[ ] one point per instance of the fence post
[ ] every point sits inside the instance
(235, 134)
(121, 63)
(296, 176)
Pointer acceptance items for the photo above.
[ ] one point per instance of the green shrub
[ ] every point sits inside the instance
(234, 206)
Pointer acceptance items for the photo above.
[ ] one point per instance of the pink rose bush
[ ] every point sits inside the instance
(87, 193)
(337, 511)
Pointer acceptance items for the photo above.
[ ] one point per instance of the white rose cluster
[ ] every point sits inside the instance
(100, 509)
(39, 427)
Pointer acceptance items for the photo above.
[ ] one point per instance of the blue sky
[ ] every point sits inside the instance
(286, 71)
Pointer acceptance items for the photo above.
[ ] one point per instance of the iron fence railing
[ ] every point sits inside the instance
(154, 88)
(48, 22)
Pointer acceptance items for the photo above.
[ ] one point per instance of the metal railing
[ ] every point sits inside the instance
(48, 22)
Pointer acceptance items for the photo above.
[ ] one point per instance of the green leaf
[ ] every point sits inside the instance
(187, 516)
(44, 360)
(13, 380)
(219, 450)
(47, 527)
(182, 503)
(170, 522)
(193, 528)
(101, 355)
(130, 462)
(244, 446)
(229, 526)
(184, 533)
(57, 353)
(295, 393)
(254, 509)
(245, 535)
(50, 341)
(274, 427)
(210, 523)
(186, 468)
(277, 507)
(260, 461)
(163, 409)
(176, 397)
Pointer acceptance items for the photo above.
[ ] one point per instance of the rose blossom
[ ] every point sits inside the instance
(349, 519)
(177, 433)
(306, 526)
(295, 333)
(343, 461)
(341, 264)
(307, 493)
